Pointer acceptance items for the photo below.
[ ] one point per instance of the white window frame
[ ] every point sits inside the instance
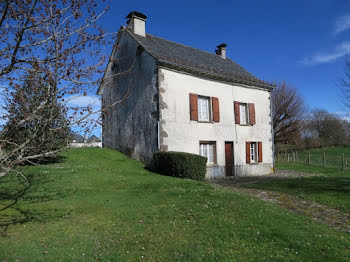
(245, 105)
(253, 152)
(201, 116)
(208, 150)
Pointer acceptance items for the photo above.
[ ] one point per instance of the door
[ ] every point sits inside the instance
(229, 158)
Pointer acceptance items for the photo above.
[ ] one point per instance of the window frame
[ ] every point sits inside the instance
(253, 153)
(246, 114)
(199, 106)
(208, 154)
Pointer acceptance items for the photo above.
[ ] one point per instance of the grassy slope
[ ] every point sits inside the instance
(331, 188)
(100, 205)
(333, 156)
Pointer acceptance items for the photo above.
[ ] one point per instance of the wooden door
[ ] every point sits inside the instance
(229, 158)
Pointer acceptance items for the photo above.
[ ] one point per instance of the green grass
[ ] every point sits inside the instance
(333, 156)
(98, 205)
(331, 187)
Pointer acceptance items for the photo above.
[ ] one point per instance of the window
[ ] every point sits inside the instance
(203, 108)
(208, 150)
(253, 152)
(243, 112)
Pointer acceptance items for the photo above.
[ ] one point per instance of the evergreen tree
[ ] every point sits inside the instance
(37, 124)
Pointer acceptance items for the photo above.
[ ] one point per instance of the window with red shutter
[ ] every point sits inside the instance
(247, 152)
(216, 111)
(237, 115)
(251, 114)
(260, 155)
(194, 107)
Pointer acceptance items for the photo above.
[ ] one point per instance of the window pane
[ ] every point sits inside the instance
(243, 113)
(211, 153)
(252, 151)
(203, 108)
(205, 150)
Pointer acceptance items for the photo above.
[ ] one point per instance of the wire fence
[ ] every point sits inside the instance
(317, 158)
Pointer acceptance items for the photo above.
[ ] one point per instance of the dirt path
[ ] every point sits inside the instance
(318, 212)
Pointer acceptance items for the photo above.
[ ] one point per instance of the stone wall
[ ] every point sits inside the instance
(131, 126)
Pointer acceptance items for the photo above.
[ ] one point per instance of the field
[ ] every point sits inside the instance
(98, 205)
(333, 156)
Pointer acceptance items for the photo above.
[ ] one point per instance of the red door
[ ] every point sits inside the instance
(229, 158)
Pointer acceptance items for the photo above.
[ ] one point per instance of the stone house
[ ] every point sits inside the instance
(161, 95)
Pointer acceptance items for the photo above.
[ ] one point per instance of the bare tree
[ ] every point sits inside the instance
(344, 82)
(327, 129)
(61, 41)
(288, 113)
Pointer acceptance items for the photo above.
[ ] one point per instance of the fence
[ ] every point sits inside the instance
(317, 158)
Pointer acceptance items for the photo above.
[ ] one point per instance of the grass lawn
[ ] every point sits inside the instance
(331, 188)
(98, 205)
(333, 156)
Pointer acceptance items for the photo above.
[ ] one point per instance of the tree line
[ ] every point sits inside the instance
(296, 127)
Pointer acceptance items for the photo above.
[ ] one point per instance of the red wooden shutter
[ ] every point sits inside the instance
(251, 113)
(194, 107)
(260, 152)
(237, 116)
(216, 112)
(247, 152)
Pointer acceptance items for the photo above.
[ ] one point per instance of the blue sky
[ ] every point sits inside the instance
(301, 42)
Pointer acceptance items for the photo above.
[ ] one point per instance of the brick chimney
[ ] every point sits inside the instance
(137, 23)
(221, 50)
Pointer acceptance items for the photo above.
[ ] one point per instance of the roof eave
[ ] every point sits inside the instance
(216, 76)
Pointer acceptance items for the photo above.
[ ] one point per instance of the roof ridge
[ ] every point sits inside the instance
(197, 49)
(228, 65)
(188, 46)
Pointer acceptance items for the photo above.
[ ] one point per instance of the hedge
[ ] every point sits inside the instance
(180, 164)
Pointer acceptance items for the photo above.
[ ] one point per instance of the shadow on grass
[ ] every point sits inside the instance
(21, 201)
(46, 160)
(312, 185)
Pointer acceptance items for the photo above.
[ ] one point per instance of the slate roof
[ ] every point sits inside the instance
(194, 60)
(93, 138)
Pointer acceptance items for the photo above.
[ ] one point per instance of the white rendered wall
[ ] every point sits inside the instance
(184, 135)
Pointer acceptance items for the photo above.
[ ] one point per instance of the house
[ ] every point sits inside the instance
(79, 141)
(161, 95)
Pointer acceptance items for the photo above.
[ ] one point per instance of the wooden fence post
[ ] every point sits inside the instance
(324, 159)
(308, 158)
(296, 153)
(343, 161)
(293, 156)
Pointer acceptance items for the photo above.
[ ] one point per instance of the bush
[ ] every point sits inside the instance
(179, 164)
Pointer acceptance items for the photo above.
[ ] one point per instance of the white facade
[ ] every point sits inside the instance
(183, 134)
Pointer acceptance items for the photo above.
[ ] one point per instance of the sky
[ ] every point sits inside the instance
(302, 42)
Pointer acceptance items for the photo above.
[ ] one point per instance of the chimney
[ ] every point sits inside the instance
(221, 50)
(137, 23)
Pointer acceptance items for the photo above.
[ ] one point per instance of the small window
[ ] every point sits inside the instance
(243, 110)
(208, 150)
(203, 108)
(253, 152)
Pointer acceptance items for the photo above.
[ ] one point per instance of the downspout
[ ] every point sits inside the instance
(272, 136)
(158, 124)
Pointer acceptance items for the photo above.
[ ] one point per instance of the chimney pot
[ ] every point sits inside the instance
(137, 22)
(221, 50)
